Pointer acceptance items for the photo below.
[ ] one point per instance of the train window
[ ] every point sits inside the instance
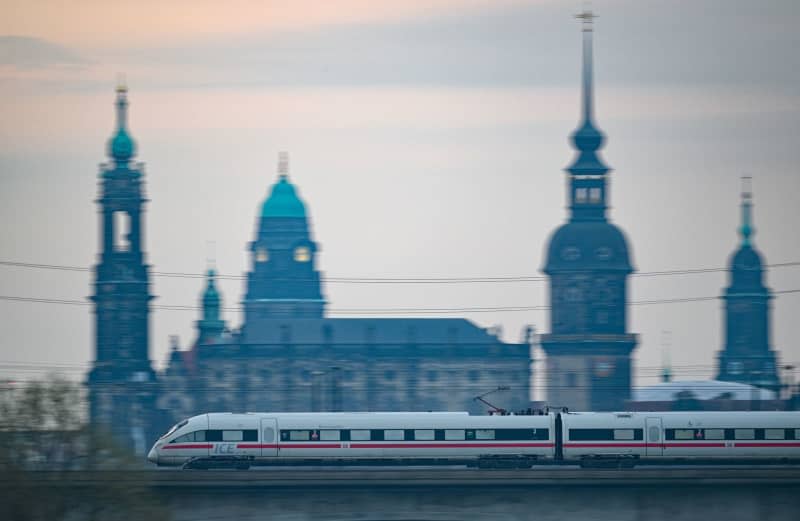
(269, 435)
(454, 434)
(684, 434)
(525, 434)
(438, 435)
(213, 435)
(200, 436)
(423, 434)
(744, 434)
(175, 428)
(773, 434)
(715, 434)
(184, 438)
(232, 436)
(484, 434)
(409, 434)
(623, 434)
(797, 434)
(359, 435)
(655, 433)
(376, 435)
(250, 435)
(329, 435)
(393, 435)
(299, 435)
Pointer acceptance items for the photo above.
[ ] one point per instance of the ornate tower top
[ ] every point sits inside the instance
(283, 200)
(211, 325)
(121, 147)
(587, 138)
(746, 230)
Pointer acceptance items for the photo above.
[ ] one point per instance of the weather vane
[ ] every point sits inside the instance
(586, 17)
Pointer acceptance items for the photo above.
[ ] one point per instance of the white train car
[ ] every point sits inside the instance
(262, 438)
(680, 436)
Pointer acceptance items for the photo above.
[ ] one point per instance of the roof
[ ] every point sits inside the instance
(588, 245)
(283, 201)
(701, 390)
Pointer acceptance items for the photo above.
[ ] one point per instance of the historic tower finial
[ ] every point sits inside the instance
(121, 146)
(746, 230)
(283, 164)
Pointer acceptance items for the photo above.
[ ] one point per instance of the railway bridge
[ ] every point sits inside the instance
(455, 494)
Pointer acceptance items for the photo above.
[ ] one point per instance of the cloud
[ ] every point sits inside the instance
(25, 52)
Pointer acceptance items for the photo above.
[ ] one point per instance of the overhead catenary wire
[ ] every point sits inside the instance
(393, 280)
(388, 311)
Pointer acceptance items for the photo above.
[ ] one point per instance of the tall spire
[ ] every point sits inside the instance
(746, 229)
(587, 138)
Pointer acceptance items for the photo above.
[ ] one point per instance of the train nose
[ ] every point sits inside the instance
(152, 456)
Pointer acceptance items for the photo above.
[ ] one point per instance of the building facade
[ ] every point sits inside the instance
(289, 356)
(747, 356)
(588, 264)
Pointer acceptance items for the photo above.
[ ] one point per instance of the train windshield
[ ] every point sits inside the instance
(174, 428)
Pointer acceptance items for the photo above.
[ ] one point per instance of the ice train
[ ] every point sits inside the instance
(509, 441)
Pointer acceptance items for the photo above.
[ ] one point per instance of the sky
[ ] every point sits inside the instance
(427, 138)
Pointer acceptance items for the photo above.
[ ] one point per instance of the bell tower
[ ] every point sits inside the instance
(121, 380)
(587, 261)
(747, 356)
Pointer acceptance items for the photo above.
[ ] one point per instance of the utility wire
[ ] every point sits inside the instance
(392, 280)
(388, 311)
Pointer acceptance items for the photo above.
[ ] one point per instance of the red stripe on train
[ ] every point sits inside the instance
(188, 446)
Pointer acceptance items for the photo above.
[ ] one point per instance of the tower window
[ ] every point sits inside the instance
(261, 254)
(302, 254)
(122, 231)
(580, 195)
(594, 195)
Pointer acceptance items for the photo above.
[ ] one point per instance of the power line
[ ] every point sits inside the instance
(395, 280)
(388, 311)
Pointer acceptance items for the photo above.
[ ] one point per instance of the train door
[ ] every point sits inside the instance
(269, 437)
(655, 437)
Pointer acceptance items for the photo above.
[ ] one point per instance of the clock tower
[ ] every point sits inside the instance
(121, 382)
(588, 263)
(747, 356)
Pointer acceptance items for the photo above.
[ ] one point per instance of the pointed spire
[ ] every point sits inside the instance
(746, 229)
(587, 139)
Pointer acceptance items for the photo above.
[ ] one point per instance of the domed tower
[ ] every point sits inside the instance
(211, 325)
(121, 380)
(588, 263)
(747, 356)
(283, 281)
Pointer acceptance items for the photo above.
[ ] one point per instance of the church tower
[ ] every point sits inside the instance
(121, 380)
(587, 261)
(747, 356)
(211, 325)
(283, 281)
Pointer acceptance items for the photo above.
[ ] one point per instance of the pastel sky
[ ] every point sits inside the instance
(427, 139)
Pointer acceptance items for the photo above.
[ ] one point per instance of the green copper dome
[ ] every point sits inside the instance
(283, 201)
(121, 145)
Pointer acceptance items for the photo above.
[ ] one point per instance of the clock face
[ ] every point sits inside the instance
(603, 253)
(302, 254)
(262, 255)
(571, 253)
